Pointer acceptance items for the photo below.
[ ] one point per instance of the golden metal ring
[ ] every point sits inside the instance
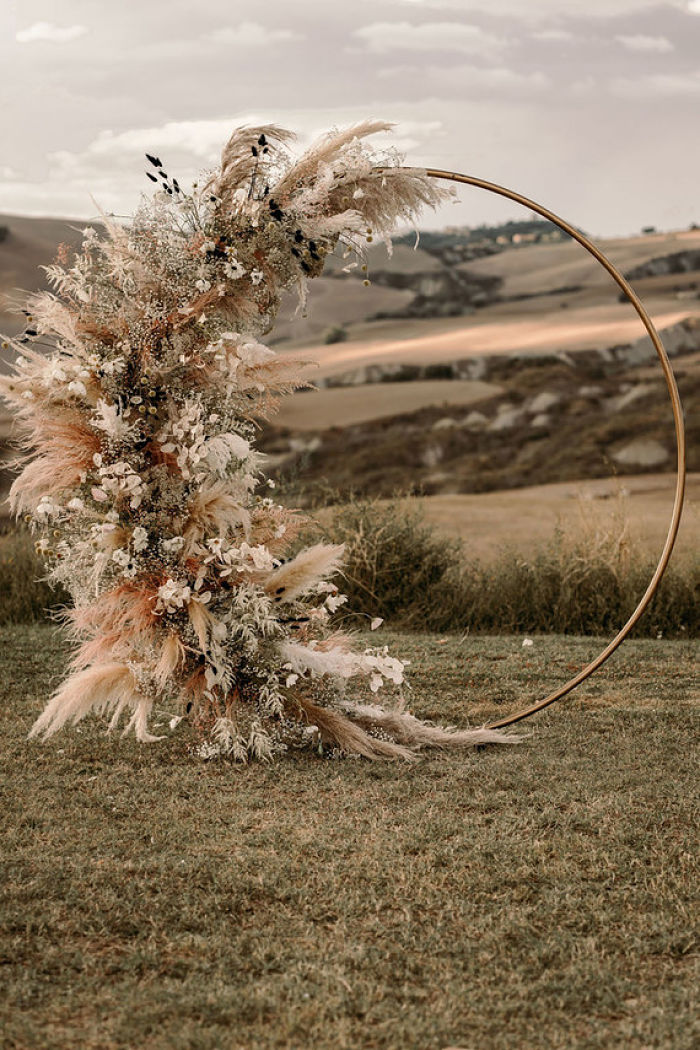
(631, 295)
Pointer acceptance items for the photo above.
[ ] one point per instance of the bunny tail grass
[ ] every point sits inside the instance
(106, 687)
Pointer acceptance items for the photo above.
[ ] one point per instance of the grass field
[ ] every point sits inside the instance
(530, 897)
(519, 519)
(488, 332)
(346, 406)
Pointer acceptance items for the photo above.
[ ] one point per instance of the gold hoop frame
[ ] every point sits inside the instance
(568, 687)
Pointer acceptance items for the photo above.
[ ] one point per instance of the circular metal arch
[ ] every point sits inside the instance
(563, 690)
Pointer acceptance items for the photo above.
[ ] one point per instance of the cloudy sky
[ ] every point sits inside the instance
(591, 107)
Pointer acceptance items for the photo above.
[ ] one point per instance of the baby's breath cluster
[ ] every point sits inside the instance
(138, 383)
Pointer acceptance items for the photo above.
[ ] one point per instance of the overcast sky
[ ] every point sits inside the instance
(591, 107)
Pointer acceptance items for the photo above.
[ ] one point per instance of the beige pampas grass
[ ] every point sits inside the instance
(240, 158)
(106, 688)
(336, 730)
(216, 510)
(65, 447)
(171, 658)
(303, 573)
(411, 731)
(325, 151)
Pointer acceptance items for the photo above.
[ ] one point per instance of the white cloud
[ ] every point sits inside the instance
(109, 169)
(658, 85)
(583, 86)
(536, 10)
(497, 80)
(251, 34)
(381, 37)
(197, 142)
(553, 35)
(50, 32)
(694, 7)
(660, 44)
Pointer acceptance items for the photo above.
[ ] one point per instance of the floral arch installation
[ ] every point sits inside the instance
(140, 459)
(633, 298)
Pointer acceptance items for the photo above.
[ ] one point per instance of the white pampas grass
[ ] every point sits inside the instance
(338, 662)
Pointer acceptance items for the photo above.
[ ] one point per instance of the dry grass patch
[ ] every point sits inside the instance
(347, 406)
(530, 897)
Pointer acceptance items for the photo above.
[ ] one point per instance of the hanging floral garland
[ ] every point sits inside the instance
(142, 481)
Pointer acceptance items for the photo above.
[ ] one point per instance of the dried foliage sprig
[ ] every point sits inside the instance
(142, 481)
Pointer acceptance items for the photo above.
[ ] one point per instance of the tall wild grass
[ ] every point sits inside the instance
(586, 580)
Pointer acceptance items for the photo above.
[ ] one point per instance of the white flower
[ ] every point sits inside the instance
(139, 538)
(117, 364)
(233, 269)
(110, 419)
(291, 679)
(99, 494)
(376, 622)
(172, 595)
(173, 545)
(46, 509)
(259, 555)
(224, 447)
(334, 601)
(527, 642)
(116, 479)
(202, 285)
(53, 373)
(75, 504)
(121, 557)
(257, 276)
(77, 388)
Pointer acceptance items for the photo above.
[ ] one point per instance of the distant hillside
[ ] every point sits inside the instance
(28, 244)
(443, 362)
(460, 243)
(451, 273)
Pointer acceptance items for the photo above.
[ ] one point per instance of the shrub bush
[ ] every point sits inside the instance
(335, 334)
(587, 581)
(24, 596)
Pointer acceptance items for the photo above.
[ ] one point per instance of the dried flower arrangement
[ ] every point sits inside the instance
(142, 479)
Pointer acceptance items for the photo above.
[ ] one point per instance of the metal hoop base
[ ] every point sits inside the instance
(631, 295)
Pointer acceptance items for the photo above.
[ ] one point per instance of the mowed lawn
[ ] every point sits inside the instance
(533, 896)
